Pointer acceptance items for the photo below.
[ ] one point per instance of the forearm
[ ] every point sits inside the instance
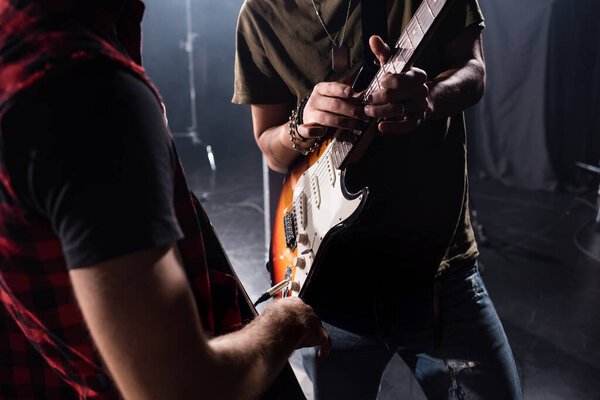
(455, 90)
(463, 84)
(330, 105)
(142, 316)
(252, 358)
(277, 148)
(239, 365)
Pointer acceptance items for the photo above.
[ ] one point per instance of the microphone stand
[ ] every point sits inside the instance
(192, 130)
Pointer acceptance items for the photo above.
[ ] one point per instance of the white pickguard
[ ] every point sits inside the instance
(319, 205)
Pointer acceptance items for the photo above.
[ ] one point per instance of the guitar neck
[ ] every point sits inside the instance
(413, 39)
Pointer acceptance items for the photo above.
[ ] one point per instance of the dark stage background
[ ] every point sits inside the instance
(540, 114)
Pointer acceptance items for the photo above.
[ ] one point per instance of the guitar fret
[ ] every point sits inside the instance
(418, 28)
(383, 68)
(334, 152)
(424, 16)
(344, 152)
(334, 155)
(414, 32)
(435, 6)
(405, 48)
(392, 63)
(347, 142)
(409, 40)
(399, 64)
(345, 148)
(338, 154)
(340, 139)
(377, 77)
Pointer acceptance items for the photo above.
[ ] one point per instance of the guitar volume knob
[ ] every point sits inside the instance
(299, 262)
(302, 238)
(295, 286)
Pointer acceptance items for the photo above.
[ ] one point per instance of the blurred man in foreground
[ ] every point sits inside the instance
(99, 233)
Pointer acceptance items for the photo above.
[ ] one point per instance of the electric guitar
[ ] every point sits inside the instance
(315, 204)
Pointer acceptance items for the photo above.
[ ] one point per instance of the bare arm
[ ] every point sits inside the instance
(142, 316)
(463, 85)
(334, 104)
(331, 104)
(271, 134)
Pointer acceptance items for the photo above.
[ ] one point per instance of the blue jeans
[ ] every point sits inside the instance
(473, 359)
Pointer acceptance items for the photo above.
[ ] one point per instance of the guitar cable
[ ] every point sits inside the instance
(273, 291)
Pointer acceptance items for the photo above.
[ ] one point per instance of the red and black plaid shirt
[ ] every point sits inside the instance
(45, 348)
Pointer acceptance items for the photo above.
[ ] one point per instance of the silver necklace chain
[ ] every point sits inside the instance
(318, 12)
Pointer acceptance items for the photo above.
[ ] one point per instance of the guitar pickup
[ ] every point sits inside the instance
(316, 191)
(290, 229)
(300, 209)
(330, 170)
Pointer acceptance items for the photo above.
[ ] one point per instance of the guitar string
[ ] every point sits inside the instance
(424, 9)
(321, 170)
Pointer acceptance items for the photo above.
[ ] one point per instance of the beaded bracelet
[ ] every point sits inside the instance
(299, 114)
(293, 131)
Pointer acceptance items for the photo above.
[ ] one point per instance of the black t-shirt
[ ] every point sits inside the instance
(89, 151)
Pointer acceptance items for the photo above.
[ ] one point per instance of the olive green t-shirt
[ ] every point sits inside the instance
(419, 215)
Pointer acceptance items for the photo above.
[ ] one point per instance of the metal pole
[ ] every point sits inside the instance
(188, 46)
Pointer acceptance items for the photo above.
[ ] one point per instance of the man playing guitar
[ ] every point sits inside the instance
(404, 278)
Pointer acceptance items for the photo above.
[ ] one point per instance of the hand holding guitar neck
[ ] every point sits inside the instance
(401, 102)
(315, 204)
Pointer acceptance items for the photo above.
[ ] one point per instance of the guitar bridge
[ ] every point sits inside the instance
(290, 229)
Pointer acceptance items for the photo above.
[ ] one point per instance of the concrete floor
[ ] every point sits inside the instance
(545, 288)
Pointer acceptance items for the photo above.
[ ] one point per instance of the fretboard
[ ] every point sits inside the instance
(411, 41)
